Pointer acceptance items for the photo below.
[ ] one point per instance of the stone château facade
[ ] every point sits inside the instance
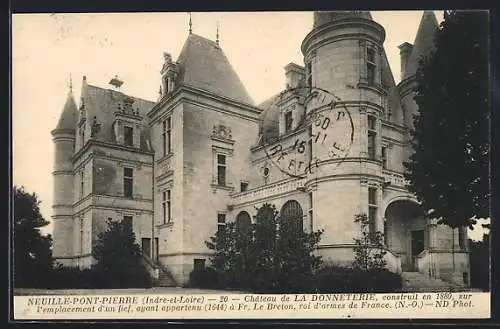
(179, 168)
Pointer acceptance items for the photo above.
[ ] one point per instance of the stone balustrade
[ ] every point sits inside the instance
(395, 178)
(267, 190)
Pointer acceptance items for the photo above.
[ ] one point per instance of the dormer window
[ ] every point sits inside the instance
(288, 121)
(129, 136)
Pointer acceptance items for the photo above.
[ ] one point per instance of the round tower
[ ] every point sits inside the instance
(343, 56)
(63, 137)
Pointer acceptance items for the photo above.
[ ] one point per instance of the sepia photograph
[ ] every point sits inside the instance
(249, 164)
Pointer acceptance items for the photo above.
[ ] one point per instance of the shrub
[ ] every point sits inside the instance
(119, 258)
(332, 279)
(272, 255)
(206, 278)
(62, 277)
(369, 249)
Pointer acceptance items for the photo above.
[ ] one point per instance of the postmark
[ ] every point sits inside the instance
(315, 128)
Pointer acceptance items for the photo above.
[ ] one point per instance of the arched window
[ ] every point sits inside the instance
(291, 214)
(243, 222)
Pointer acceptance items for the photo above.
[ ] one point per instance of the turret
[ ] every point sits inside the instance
(63, 137)
(343, 54)
(411, 56)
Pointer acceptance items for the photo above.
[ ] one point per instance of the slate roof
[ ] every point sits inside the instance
(204, 65)
(269, 119)
(103, 103)
(324, 17)
(69, 115)
(424, 42)
(393, 96)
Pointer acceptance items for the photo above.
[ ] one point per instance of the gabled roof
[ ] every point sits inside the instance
(424, 42)
(69, 116)
(324, 17)
(203, 65)
(103, 103)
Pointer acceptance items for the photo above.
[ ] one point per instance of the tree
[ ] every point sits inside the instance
(480, 263)
(119, 258)
(369, 249)
(449, 171)
(273, 255)
(32, 251)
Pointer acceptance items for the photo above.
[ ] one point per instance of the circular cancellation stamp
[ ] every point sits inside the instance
(304, 128)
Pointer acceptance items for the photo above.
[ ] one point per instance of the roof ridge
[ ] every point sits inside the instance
(120, 92)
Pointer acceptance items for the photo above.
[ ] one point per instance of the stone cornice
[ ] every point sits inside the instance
(405, 83)
(69, 132)
(62, 172)
(394, 126)
(184, 91)
(337, 25)
(93, 142)
(377, 88)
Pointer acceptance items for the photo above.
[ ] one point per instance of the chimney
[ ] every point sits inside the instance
(116, 83)
(294, 75)
(404, 53)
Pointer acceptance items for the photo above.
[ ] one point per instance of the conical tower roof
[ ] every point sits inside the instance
(69, 116)
(424, 42)
(325, 17)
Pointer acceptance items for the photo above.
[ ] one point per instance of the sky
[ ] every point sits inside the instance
(49, 49)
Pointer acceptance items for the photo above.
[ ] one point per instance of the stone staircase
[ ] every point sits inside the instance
(160, 274)
(419, 282)
(165, 278)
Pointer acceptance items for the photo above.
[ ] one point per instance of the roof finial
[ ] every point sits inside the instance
(217, 35)
(70, 84)
(190, 24)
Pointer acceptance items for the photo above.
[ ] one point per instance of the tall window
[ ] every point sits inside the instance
(82, 183)
(127, 222)
(384, 157)
(288, 121)
(128, 182)
(129, 135)
(243, 186)
(221, 169)
(164, 137)
(370, 65)
(292, 213)
(167, 136)
(310, 145)
(311, 211)
(167, 211)
(221, 224)
(372, 137)
(372, 208)
(83, 136)
(309, 74)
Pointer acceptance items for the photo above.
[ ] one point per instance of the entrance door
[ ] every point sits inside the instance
(417, 244)
(146, 246)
